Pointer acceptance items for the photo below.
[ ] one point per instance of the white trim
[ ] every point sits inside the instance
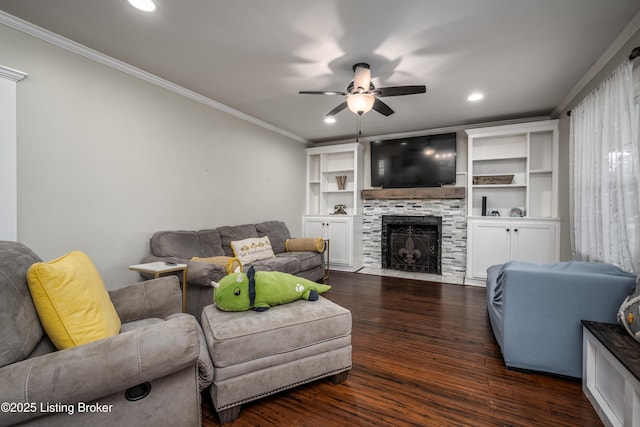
(11, 74)
(618, 43)
(65, 43)
(9, 79)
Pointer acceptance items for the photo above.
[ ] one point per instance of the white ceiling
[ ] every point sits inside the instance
(255, 55)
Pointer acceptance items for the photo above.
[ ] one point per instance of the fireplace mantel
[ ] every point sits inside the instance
(415, 193)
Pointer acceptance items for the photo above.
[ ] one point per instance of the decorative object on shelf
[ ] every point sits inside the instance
(492, 179)
(342, 181)
(494, 213)
(340, 210)
(484, 205)
(517, 212)
(629, 312)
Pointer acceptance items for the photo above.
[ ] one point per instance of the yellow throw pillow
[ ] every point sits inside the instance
(252, 249)
(230, 264)
(302, 244)
(72, 301)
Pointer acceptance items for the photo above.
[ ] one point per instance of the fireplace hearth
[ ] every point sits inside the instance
(412, 243)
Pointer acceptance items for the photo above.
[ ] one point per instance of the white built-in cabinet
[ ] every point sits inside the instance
(529, 152)
(344, 231)
(491, 242)
(344, 248)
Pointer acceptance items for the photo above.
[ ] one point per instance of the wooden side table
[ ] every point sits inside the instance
(160, 267)
(328, 258)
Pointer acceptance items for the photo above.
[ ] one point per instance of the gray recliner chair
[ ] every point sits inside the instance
(151, 373)
(535, 310)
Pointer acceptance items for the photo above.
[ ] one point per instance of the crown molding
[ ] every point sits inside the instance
(70, 45)
(11, 74)
(632, 27)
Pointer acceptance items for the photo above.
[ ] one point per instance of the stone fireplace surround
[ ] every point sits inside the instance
(454, 230)
(412, 243)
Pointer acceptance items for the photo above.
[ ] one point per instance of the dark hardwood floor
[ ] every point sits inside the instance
(423, 355)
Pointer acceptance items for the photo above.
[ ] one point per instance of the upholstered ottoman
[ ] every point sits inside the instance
(259, 353)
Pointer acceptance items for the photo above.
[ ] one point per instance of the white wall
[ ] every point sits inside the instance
(106, 159)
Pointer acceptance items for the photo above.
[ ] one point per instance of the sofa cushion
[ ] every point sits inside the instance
(280, 263)
(235, 232)
(254, 249)
(72, 301)
(278, 234)
(179, 244)
(210, 243)
(304, 260)
(21, 330)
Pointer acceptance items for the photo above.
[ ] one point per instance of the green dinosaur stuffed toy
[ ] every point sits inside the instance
(260, 290)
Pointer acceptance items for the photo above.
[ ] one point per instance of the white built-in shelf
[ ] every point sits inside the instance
(326, 163)
(499, 185)
(529, 152)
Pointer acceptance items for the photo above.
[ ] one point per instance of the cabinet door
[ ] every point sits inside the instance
(314, 227)
(340, 234)
(490, 244)
(534, 242)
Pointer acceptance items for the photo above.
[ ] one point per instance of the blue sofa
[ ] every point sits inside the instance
(535, 310)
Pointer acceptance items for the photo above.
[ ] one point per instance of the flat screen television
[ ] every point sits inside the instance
(421, 161)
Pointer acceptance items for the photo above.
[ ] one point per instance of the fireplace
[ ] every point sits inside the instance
(412, 243)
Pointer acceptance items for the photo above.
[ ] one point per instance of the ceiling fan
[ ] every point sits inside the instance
(362, 95)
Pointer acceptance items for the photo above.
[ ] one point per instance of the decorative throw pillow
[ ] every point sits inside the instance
(253, 249)
(72, 301)
(629, 312)
(302, 244)
(230, 264)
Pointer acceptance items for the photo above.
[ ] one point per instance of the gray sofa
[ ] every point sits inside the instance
(535, 310)
(182, 246)
(159, 349)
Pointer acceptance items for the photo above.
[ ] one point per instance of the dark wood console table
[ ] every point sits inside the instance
(611, 373)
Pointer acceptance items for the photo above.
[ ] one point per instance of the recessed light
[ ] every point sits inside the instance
(144, 5)
(476, 96)
(330, 120)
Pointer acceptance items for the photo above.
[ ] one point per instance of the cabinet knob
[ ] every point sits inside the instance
(508, 230)
(515, 229)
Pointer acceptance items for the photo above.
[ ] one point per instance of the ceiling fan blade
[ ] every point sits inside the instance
(321, 92)
(382, 108)
(400, 90)
(337, 109)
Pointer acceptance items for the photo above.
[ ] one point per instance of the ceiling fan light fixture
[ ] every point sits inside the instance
(360, 103)
(143, 5)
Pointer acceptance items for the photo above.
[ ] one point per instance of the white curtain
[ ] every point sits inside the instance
(604, 181)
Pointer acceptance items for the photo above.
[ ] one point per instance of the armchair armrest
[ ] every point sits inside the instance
(98, 369)
(152, 298)
(202, 273)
